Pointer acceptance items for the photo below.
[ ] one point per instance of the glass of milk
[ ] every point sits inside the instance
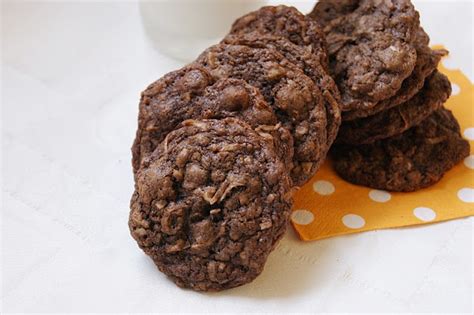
(184, 28)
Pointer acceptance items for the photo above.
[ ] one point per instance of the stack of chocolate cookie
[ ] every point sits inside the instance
(396, 135)
(222, 142)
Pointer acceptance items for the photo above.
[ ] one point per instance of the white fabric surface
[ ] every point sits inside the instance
(71, 77)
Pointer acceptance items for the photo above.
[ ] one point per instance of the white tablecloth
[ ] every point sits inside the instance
(71, 77)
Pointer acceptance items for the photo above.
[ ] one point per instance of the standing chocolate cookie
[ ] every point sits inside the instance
(427, 61)
(191, 93)
(396, 120)
(304, 58)
(371, 47)
(286, 22)
(211, 204)
(416, 159)
(295, 98)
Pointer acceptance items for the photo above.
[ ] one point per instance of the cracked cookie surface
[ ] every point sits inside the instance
(211, 203)
(370, 45)
(427, 61)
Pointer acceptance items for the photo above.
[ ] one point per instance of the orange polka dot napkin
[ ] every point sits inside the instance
(328, 206)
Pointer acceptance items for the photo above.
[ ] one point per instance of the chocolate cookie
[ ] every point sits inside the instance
(191, 93)
(295, 98)
(211, 204)
(396, 120)
(413, 160)
(287, 22)
(370, 45)
(426, 62)
(305, 59)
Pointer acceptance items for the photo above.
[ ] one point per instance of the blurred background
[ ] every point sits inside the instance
(71, 77)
